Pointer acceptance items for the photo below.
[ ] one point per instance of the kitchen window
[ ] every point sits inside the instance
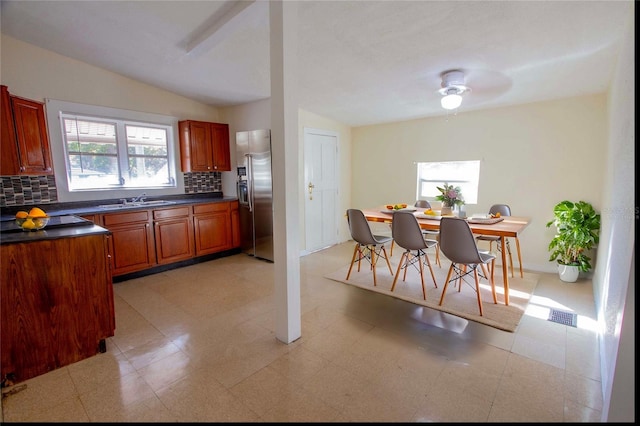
(465, 174)
(106, 153)
(113, 149)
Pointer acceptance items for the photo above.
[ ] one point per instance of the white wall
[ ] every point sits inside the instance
(532, 157)
(614, 276)
(250, 116)
(256, 115)
(34, 73)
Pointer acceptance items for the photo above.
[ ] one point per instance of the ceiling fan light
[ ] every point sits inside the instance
(452, 101)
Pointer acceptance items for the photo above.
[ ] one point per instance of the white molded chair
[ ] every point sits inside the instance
(458, 245)
(504, 210)
(424, 204)
(407, 234)
(368, 246)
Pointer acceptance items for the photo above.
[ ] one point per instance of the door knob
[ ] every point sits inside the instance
(311, 186)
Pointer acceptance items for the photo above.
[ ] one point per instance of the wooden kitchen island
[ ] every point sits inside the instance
(56, 298)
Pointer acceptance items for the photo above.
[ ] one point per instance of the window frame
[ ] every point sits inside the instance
(469, 186)
(55, 109)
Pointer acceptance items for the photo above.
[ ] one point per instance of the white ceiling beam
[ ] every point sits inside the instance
(209, 36)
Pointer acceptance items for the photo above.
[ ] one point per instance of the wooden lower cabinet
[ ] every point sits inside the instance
(212, 225)
(132, 241)
(173, 234)
(142, 239)
(235, 224)
(57, 304)
(95, 218)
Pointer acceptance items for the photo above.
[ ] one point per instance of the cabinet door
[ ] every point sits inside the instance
(32, 138)
(212, 227)
(173, 234)
(196, 151)
(9, 161)
(220, 140)
(235, 225)
(57, 309)
(95, 218)
(132, 243)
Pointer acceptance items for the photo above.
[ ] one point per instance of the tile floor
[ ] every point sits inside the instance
(197, 344)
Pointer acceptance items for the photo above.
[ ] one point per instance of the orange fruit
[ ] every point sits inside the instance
(22, 215)
(28, 224)
(498, 214)
(37, 212)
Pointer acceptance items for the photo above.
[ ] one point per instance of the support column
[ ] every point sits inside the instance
(283, 16)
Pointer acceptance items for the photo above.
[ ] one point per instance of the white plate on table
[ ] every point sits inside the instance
(486, 221)
(428, 216)
(406, 209)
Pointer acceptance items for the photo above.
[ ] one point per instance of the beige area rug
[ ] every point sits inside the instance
(462, 304)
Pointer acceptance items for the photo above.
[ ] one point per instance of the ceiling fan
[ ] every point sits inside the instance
(453, 87)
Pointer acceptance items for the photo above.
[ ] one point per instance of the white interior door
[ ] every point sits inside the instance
(320, 188)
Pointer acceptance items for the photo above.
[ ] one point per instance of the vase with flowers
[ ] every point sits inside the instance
(451, 197)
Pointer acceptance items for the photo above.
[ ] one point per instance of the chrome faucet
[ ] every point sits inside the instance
(140, 198)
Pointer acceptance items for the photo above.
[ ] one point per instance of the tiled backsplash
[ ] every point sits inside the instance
(198, 182)
(27, 190)
(30, 190)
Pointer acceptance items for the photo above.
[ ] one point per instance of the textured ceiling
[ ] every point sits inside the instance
(359, 62)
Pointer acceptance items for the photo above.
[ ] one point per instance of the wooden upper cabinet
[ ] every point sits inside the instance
(204, 146)
(220, 138)
(25, 145)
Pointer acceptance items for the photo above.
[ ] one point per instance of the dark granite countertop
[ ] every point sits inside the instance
(93, 207)
(51, 233)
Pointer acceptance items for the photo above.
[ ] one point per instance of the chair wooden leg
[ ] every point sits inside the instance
(438, 256)
(493, 282)
(395, 279)
(433, 277)
(475, 274)
(464, 270)
(446, 283)
(392, 244)
(407, 261)
(485, 271)
(387, 259)
(374, 260)
(510, 258)
(424, 292)
(353, 259)
(519, 257)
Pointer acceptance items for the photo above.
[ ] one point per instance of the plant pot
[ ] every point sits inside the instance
(568, 273)
(446, 211)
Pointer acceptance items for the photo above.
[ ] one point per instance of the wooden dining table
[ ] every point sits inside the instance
(510, 226)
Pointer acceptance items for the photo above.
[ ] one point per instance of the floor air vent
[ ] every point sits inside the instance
(561, 317)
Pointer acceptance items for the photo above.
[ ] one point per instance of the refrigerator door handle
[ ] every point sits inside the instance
(250, 181)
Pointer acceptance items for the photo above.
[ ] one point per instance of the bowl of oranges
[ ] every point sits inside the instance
(33, 220)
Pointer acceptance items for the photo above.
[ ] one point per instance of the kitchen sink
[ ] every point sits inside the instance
(129, 205)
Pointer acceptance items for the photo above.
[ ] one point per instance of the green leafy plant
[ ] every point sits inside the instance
(578, 227)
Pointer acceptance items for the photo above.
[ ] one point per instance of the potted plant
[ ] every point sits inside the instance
(450, 196)
(578, 227)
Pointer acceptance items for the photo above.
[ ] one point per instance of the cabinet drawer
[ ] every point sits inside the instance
(210, 208)
(171, 213)
(125, 218)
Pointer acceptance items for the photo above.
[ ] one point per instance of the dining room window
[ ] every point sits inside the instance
(431, 175)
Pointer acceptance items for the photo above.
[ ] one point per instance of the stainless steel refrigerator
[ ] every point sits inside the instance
(253, 154)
